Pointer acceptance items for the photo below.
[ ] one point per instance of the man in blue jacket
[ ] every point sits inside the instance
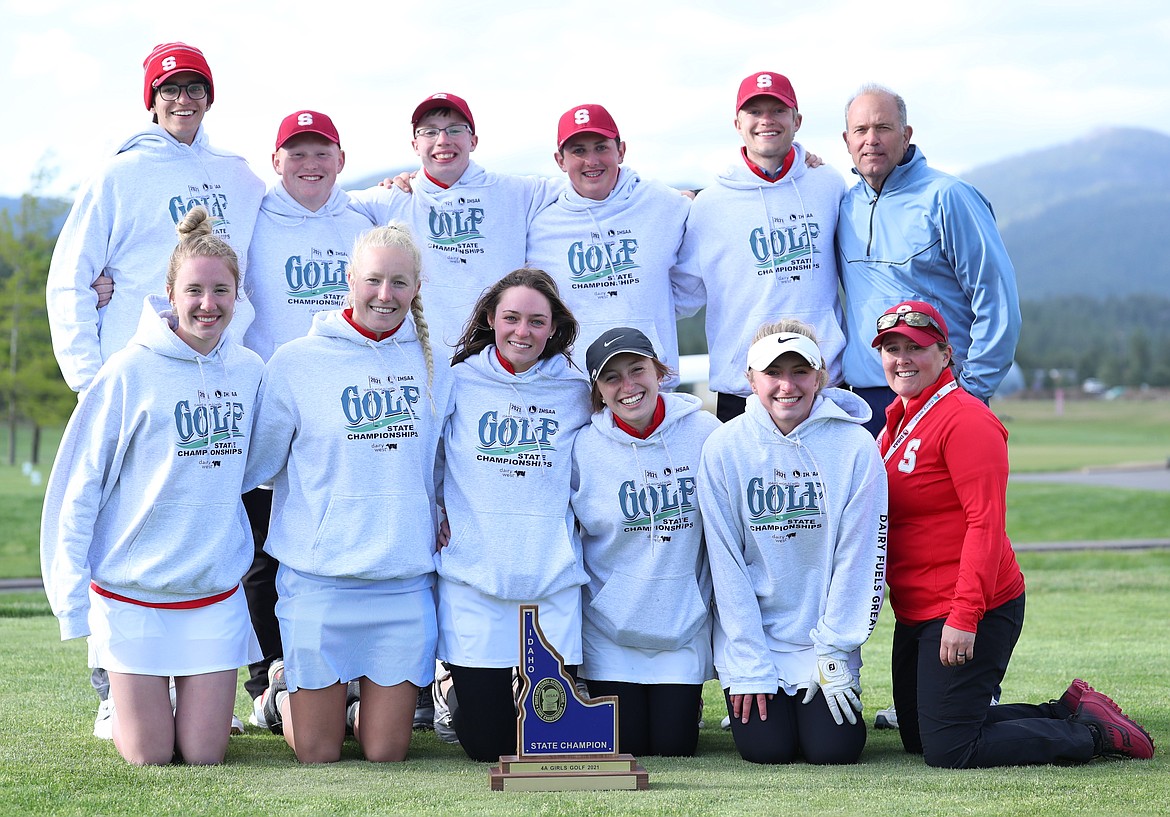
(907, 231)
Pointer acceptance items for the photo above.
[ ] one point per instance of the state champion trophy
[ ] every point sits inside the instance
(566, 742)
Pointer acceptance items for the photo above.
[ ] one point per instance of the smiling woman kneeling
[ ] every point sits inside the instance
(955, 586)
(794, 503)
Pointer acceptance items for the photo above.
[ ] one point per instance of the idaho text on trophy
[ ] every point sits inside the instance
(567, 743)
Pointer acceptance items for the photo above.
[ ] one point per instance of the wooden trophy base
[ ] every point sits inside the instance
(569, 773)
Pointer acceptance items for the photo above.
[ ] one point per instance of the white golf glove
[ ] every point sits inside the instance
(842, 692)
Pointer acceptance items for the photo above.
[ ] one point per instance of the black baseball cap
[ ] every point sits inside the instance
(616, 341)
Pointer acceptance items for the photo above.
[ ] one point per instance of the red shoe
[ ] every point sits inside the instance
(1120, 735)
(1071, 698)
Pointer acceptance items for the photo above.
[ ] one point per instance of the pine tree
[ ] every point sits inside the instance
(31, 388)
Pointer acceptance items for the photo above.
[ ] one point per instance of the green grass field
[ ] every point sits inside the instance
(1098, 615)
(1089, 433)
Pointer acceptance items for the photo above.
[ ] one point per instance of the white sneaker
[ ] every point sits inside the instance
(444, 731)
(725, 724)
(103, 725)
(257, 717)
(886, 719)
(237, 727)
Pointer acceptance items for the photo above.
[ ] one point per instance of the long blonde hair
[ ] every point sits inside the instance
(396, 235)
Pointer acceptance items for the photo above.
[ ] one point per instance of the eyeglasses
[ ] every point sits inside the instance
(917, 319)
(195, 90)
(450, 130)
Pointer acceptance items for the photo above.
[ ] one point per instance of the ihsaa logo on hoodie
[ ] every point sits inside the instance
(370, 410)
(509, 436)
(781, 503)
(209, 427)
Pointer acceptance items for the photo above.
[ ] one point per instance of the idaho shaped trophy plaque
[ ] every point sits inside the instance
(566, 743)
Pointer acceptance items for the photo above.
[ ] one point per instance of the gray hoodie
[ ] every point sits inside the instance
(641, 532)
(123, 225)
(764, 251)
(796, 534)
(144, 497)
(347, 431)
(297, 263)
(508, 455)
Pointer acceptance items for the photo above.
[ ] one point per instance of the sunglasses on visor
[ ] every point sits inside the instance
(916, 319)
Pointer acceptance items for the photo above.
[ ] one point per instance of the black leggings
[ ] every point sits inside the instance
(260, 591)
(729, 406)
(483, 711)
(655, 719)
(796, 730)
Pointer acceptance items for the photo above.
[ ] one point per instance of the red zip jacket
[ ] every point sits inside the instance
(949, 554)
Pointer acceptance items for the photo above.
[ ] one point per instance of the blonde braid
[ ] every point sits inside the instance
(424, 338)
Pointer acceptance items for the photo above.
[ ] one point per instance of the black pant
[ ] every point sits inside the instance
(260, 590)
(877, 398)
(655, 719)
(482, 702)
(796, 730)
(729, 406)
(483, 711)
(945, 713)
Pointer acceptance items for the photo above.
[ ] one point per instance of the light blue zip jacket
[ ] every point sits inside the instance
(927, 236)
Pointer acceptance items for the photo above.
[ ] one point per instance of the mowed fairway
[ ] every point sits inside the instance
(1087, 433)
(1098, 615)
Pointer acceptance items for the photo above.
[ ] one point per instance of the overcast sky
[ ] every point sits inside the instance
(983, 81)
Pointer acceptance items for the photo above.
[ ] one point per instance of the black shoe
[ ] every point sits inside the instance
(353, 694)
(424, 709)
(276, 684)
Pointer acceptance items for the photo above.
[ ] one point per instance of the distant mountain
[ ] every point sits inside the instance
(1082, 218)
(12, 205)
(1087, 217)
